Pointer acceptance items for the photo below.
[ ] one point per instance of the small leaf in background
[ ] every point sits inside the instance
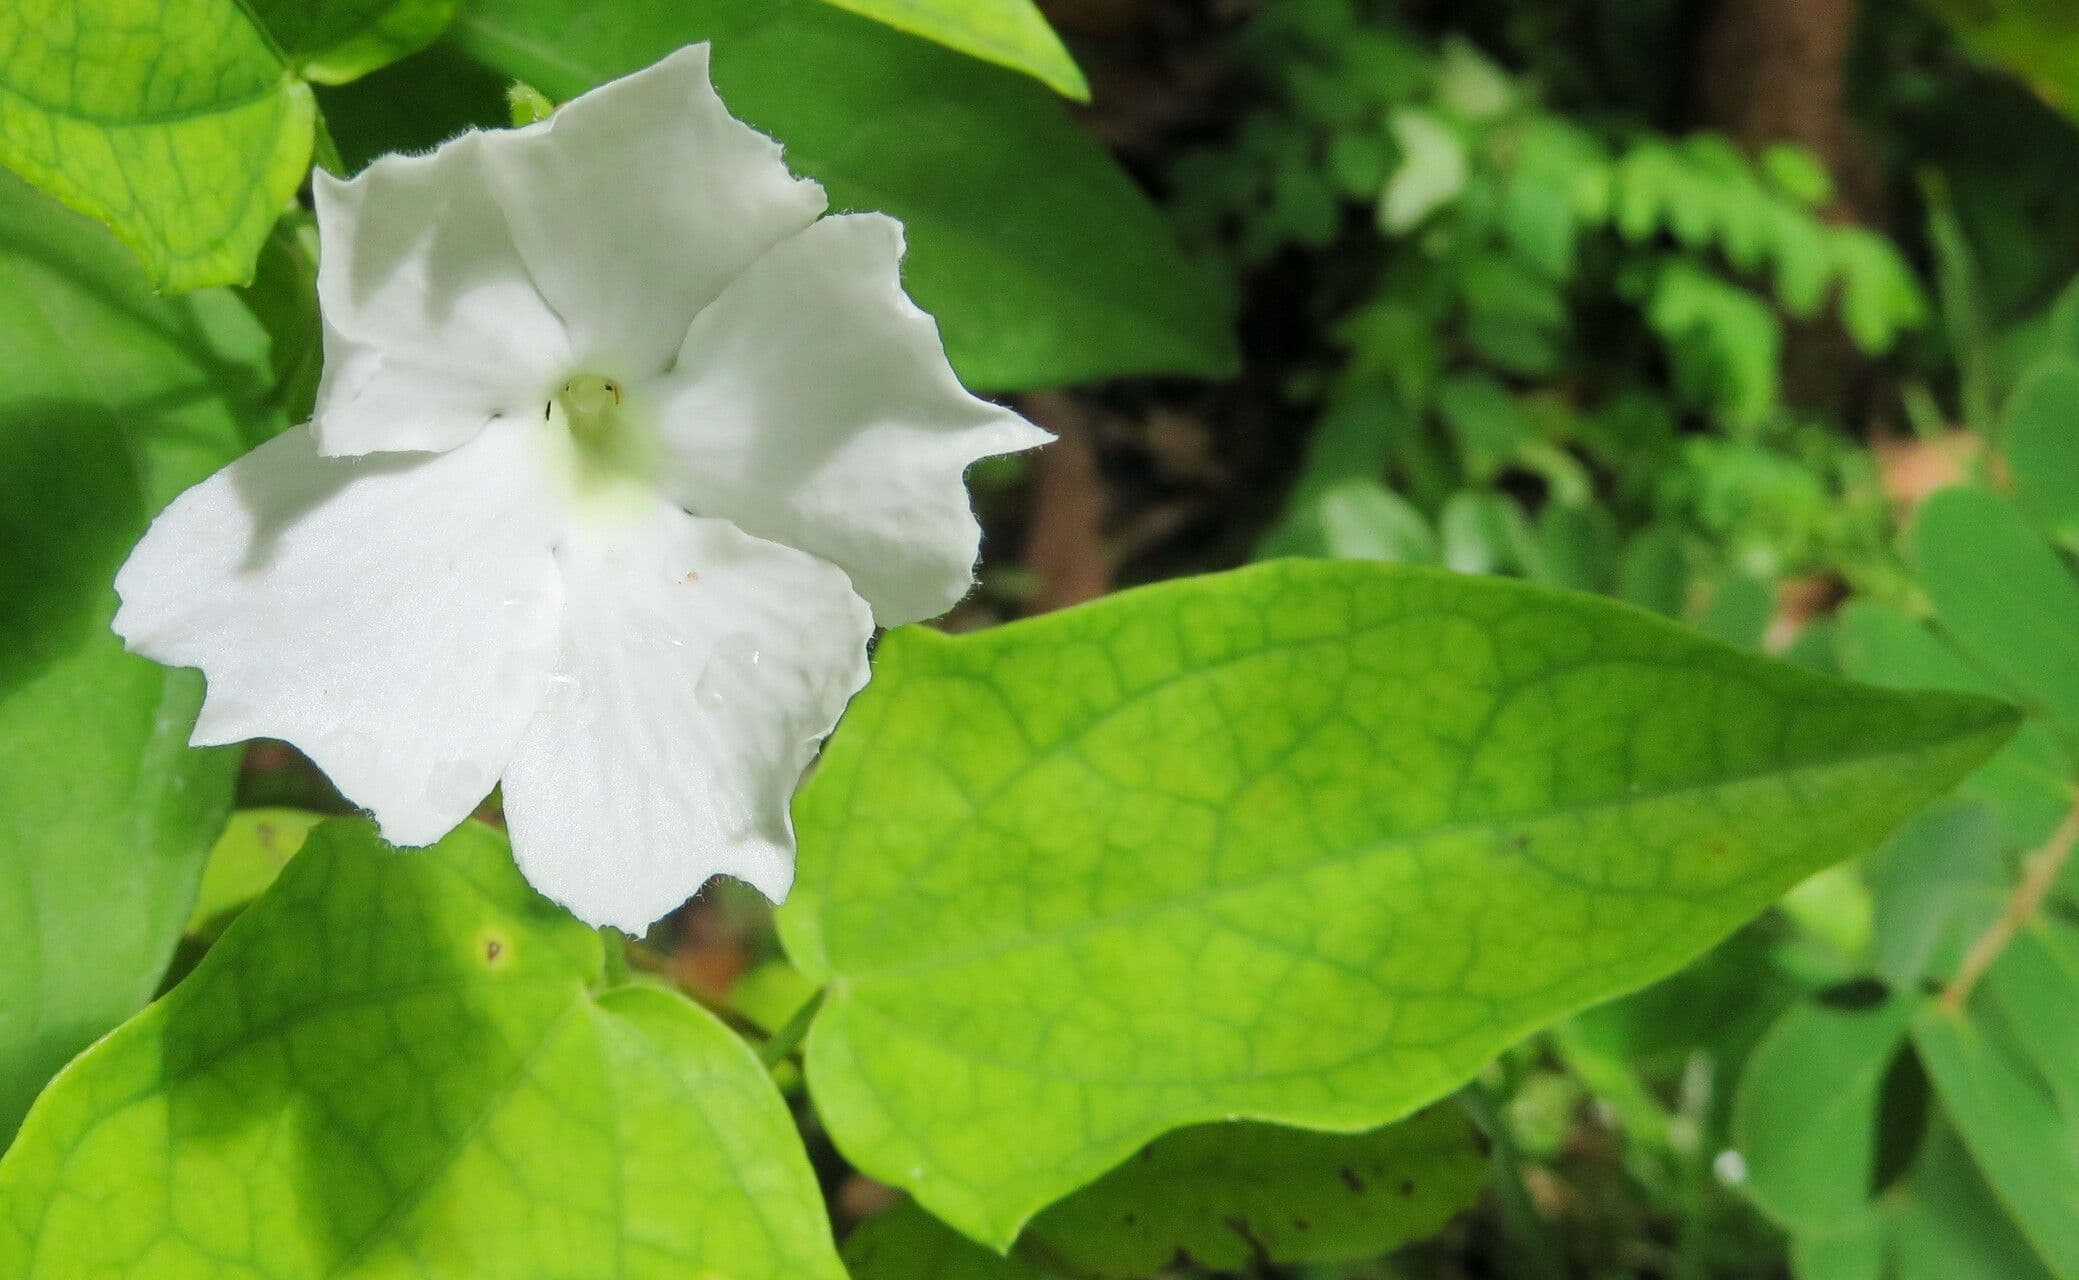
(2004, 594)
(1222, 1197)
(1040, 259)
(1228, 1196)
(906, 1243)
(112, 400)
(1356, 520)
(1880, 298)
(1431, 172)
(1808, 1105)
(2034, 39)
(2025, 1146)
(187, 138)
(1010, 33)
(255, 846)
(1308, 843)
(2028, 783)
(1936, 885)
(2041, 439)
(1486, 533)
(399, 1062)
(334, 41)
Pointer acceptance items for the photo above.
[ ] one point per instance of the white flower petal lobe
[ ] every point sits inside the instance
(432, 325)
(635, 204)
(701, 669)
(395, 617)
(812, 405)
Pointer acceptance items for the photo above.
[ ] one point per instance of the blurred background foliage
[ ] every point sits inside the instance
(1760, 314)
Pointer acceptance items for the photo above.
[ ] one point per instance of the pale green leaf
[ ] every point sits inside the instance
(2002, 592)
(397, 1063)
(2027, 1150)
(1806, 1114)
(112, 401)
(1305, 843)
(1040, 259)
(334, 41)
(173, 121)
(1010, 33)
(2041, 439)
(2029, 781)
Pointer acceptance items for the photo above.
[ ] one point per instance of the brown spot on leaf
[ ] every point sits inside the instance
(1351, 1180)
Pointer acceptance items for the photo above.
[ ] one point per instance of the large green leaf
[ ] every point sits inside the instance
(173, 121)
(398, 1063)
(334, 41)
(1010, 33)
(1041, 261)
(1306, 843)
(111, 401)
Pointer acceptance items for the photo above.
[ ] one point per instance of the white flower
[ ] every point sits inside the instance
(622, 450)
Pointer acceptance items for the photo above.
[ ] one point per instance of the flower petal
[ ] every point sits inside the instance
(636, 203)
(432, 324)
(813, 406)
(393, 616)
(701, 667)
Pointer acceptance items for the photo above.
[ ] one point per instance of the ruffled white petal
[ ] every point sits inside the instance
(812, 405)
(432, 324)
(393, 616)
(701, 667)
(637, 202)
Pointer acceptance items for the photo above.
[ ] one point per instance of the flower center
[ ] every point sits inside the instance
(591, 405)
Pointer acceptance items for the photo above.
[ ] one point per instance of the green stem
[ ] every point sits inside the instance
(1519, 1212)
(782, 1043)
(617, 971)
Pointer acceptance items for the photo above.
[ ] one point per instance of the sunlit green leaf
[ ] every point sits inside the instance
(397, 1063)
(1010, 33)
(112, 400)
(1307, 843)
(173, 121)
(1040, 259)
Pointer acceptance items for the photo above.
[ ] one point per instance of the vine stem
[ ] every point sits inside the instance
(2039, 873)
(1519, 1212)
(788, 1038)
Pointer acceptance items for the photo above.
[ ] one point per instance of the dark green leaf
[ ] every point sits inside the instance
(112, 400)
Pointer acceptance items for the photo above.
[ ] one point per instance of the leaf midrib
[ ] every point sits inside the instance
(1009, 945)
